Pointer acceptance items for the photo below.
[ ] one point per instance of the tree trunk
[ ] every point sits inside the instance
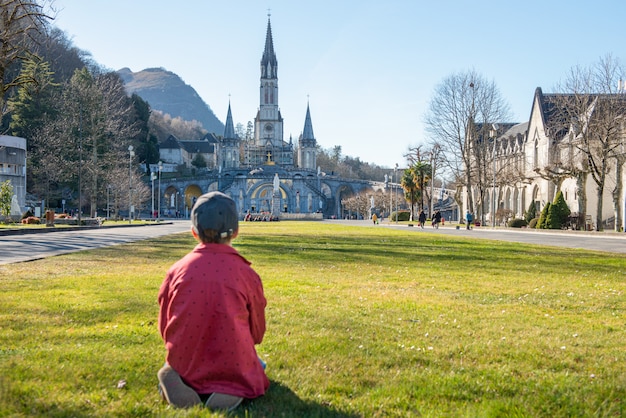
(468, 188)
(600, 192)
(581, 183)
(617, 193)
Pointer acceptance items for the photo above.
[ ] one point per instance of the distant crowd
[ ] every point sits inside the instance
(260, 217)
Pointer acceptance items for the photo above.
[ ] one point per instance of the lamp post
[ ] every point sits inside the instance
(388, 180)
(80, 168)
(319, 187)
(108, 204)
(494, 134)
(433, 160)
(131, 154)
(159, 195)
(395, 175)
(152, 178)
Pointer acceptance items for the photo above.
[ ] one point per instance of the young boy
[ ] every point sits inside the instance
(212, 313)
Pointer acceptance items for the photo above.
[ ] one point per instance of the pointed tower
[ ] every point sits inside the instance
(268, 127)
(307, 147)
(229, 145)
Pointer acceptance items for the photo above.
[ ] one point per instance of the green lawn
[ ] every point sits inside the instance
(362, 322)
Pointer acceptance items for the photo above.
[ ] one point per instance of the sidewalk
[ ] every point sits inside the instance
(41, 230)
(607, 241)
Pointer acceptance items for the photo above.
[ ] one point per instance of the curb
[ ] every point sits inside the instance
(29, 231)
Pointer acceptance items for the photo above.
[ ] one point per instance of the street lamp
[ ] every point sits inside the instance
(80, 169)
(175, 204)
(395, 175)
(108, 205)
(319, 186)
(159, 196)
(388, 181)
(152, 178)
(131, 154)
(433, 160)
(493, 133)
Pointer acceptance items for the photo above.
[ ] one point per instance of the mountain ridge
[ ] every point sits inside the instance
(167, 92)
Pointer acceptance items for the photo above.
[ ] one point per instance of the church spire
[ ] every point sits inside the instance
(307, 148)
(229, 128)
(307, 134)
(269, 63)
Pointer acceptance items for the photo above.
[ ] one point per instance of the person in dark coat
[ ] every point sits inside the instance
(422, 219)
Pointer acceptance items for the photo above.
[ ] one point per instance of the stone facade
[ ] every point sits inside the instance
(533, 161)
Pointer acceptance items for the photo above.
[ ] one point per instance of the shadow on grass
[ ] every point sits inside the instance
(280, 401)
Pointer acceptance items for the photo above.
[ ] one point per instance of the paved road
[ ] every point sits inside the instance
(598, 241)
(18, 248)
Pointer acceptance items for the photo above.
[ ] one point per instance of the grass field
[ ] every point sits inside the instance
(362, 322)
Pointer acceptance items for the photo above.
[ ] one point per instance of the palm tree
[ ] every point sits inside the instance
(421, 176)
(411, 191)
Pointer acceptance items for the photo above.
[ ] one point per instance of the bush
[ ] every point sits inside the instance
(31, 220)
(517, 223)
(533, 223)
(402, 215)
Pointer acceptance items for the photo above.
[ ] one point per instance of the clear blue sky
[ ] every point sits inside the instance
(368, 68)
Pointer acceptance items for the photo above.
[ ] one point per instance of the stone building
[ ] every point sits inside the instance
(530, 162)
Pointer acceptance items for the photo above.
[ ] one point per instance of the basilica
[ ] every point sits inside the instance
(265, 173)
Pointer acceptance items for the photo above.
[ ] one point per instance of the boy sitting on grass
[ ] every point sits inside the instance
(212, 313)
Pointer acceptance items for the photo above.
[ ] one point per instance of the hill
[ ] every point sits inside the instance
(167, 92)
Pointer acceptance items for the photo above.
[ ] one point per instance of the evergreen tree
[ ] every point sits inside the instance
(199, 161)
(34, 102)
(541, 224)
(558, 213)
(146, 143)
(32, 109)
(6, 196)
(531, 213)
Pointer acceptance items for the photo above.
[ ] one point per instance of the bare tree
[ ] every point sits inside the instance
(120, 188)
(361, 203)
(460, 115)
(594, 114)
(93, 133)
(164, 125)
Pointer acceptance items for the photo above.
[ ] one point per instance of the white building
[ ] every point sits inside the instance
(532, 161)
(13, 168)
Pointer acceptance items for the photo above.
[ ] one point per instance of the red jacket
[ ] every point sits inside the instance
(212, 313)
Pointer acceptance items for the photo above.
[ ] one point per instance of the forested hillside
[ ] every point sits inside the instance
(168, 93)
